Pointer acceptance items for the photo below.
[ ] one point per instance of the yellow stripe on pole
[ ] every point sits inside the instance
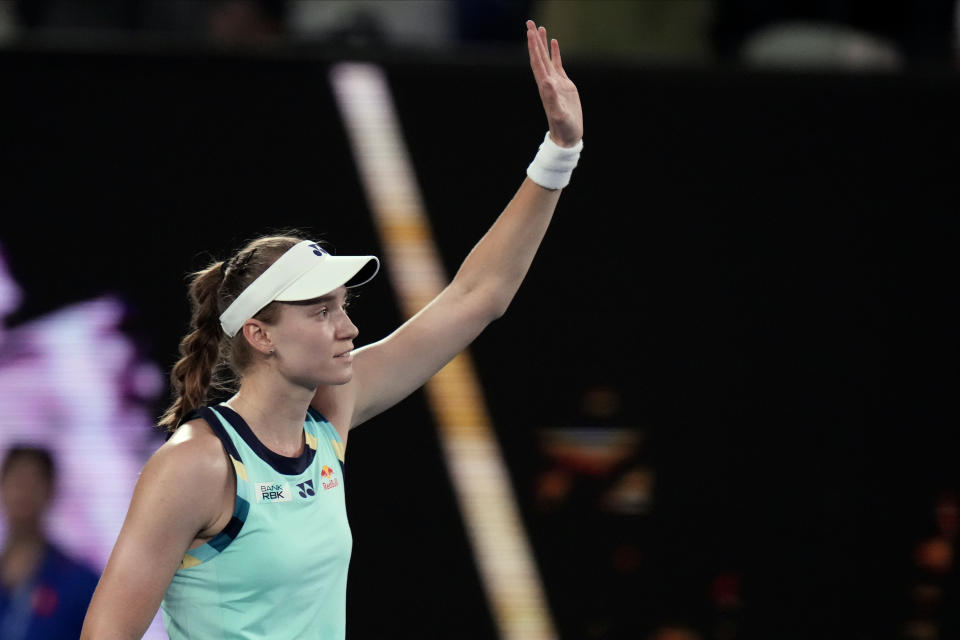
(487, 504)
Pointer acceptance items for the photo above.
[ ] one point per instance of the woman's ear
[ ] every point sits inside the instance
(258, 336)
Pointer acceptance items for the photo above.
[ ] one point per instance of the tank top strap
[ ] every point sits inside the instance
(241, 507)
(212, 418)
(325, 433)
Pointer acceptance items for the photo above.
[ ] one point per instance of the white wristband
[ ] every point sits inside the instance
(553, 165)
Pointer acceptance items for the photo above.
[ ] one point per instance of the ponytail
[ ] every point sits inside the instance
(209, 359)
(200, 351)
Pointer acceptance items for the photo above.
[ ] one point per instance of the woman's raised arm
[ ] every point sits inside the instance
(387, 371)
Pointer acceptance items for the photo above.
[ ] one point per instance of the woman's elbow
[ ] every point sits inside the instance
(94, 631)
(483, 303)
(107, 623)
(493, 302)
(499, 308)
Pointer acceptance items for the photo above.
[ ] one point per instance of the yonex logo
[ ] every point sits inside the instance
(306, 489)
(318, 250)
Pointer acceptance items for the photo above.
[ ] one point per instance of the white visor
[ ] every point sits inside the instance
(304, 272)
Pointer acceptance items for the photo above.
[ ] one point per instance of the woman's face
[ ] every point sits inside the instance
(313, 341)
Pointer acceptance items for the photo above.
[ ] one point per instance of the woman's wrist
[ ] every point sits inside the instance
(553, 165)
(562, 144)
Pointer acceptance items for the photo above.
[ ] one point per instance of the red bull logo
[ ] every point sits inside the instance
(327, 478)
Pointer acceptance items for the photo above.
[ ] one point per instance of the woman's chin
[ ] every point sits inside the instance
(339, 379)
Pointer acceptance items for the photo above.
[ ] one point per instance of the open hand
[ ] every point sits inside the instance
(561, 102)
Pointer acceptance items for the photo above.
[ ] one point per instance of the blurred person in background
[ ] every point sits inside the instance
(238, 523)
(849, 34)
(74, 382)
(845, 34)
(224, 21)
(43, 593)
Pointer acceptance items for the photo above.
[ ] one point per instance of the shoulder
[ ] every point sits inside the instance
(192, 459)
(194, 437)
(193, 451)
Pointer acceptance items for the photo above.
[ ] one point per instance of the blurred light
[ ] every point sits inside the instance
(819, 45)
(73, 382)
(593, 451)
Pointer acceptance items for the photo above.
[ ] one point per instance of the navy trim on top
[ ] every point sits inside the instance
(240, 506)
(208, 416)
(229, 533)
(281, 464)
(316, 414)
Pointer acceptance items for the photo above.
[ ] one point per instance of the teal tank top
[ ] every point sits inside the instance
(279, 568)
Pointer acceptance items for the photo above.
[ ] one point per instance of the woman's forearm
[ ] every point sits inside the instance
(498, 263)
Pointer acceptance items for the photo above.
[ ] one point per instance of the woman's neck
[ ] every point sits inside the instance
(274, 411)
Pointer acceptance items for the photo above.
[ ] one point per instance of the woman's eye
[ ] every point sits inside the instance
(323, 312)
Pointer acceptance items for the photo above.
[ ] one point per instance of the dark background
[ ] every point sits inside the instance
(761, 265)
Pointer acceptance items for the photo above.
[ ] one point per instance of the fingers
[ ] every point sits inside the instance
(544, 54)
(537, 59)
(549, 49)
(538, 33)
(555, 56)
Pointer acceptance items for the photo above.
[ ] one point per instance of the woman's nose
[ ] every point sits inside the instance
(348, 330)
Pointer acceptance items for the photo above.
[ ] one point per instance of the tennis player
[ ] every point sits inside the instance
(237, 527)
